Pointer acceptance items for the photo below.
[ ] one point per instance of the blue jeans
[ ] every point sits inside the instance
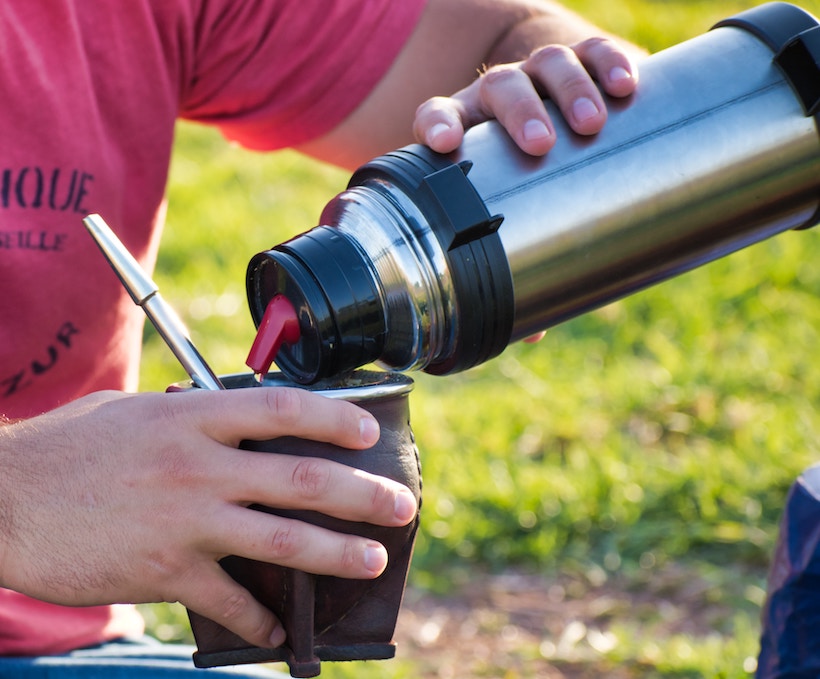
(141, 658)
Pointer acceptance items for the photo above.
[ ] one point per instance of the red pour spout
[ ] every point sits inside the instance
(280, 324)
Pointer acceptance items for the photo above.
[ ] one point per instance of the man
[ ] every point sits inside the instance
(109, 496)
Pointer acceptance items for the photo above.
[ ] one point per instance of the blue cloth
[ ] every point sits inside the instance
(142, 658)
(790, 641)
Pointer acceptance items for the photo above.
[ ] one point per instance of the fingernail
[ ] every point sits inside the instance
(535, 130)
(277, 637)
(369, 430)
(619, 73)
(583, 109)
(405, 507)
(375, 558)
(436, 131)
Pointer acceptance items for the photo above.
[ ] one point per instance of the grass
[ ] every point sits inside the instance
(654, 437)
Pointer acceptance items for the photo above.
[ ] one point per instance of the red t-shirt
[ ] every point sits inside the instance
(89, 94)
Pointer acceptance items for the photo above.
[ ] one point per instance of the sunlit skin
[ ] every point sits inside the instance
(164, 469)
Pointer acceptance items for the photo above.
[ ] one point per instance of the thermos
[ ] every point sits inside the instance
(438, 262)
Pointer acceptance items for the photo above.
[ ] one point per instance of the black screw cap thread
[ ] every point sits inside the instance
(341, 318)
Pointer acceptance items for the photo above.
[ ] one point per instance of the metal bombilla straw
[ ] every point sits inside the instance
(145, 294)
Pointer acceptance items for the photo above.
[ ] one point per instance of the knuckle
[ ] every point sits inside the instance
(175, 465)
(595, 48)
(499, 75)
(161, 566)
(549, 54)
(285, 403)
(310, 478)
(171, 410)
(235, 606)
(173, 581)
(283, 542)
(597, 43)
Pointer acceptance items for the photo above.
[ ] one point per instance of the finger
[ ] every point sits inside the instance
(610, 66)
(211, 592)
(295, 482)
(440, 123)
(261, 413)
(295, 544)
(509, 94)
(532, 339)
(567, 82)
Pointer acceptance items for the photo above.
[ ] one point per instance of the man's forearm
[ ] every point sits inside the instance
(541, 23)
(453, 43)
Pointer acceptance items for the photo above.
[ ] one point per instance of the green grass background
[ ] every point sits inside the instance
(661, 432)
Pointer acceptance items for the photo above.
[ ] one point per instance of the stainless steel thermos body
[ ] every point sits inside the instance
(438, 262)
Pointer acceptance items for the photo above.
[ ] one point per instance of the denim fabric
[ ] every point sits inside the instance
(141, 658)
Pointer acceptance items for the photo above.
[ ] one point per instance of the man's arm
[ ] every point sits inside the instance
(455, 41)
(135, 497)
